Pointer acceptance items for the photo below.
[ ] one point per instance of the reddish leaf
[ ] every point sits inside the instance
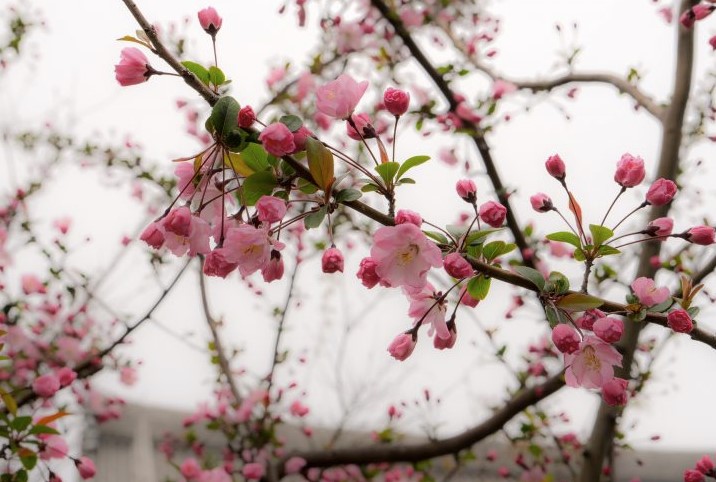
(577, 211)
(51, 418)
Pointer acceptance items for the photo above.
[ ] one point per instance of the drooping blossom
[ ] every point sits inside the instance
(466, 299)
(661, 192)
(270, 209)
(457, 266)
(493, 213)
(86, 468)
(614, 392)
(555, 167)
(630, 171)
(425, 306)
(609, 329)
(249, 247)
(210, 20)
(565, 338)
(364, 127)
(274, 269)
(332, 260)
(404, 255)
(216, 264)
(298, 409)
(695, 13)
(705, 465)
(366, 273)
(647, 292)
(396, 101)
(186, 233)
(407, 216)
(340, 97)
(133, 67)
(692, 475)
(446, 343)
(592, 365)
(680, 321)
(55, 448)
(277, 139)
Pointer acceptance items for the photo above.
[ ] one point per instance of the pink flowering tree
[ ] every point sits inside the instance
(318, 161)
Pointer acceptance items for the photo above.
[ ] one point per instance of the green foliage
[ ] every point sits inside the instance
(479, 287)
(532, 275)
(257, 185)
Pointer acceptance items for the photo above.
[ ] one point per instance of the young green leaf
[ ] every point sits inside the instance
(198, 70)
(256, 185)
(411, 163)
(600, 234)
(479, 286)
(216, 76)
(347, 195)
(293, 122)
(320, 163)
(315, 219)
(224, 115)
(387, 171)
(579, 302)
(565, 237)
(531, 274)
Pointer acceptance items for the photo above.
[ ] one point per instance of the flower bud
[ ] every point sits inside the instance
(703, 235)
(493, 213)
(457, 266)
(362, 123)
(407, 216)
(630, 171)
(541, 202)
(588, 318)
(679, 321)
(609, 329)
(555, 167)
(614, 392)
(366, 273)
(467, 190)
(86, 468)
(660, 227)
(449, 342)
(332, 260)
(247, 117)
(661, 192)
(46, 385)
(210, 20)
(396, 101)
(565, 338)
(402, 346)
(270, 209)
(277, 139)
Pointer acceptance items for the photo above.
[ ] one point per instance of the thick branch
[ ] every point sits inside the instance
(415, 453)
(475, 133)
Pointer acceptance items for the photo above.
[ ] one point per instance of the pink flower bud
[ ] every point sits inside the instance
(46, 385)
(209, 20)
(466, 299)
(86, 468)
(661, 192)
(294, 465)
(153, 235)
(247, 117)
(698, 12)
(705, 464)
(253, 471)
(457, 266)
(609, 329)
(446, 343)
(298, 409)
(660, 227)
(216, 264)
(66, 376)
(680, 321)
(555, 167)
(541, 202)
(190, 469)
(332, 260)
(178, 221)
(31, 284)
(396, 101)
(493, 213)
(565, 338)
(270, 209)
(614, 392)
(467, 190)
(588, 318)
(133, 67)
(300, 137)
(501, 87)
(407, 216)
(402, 346)
(630, 171)
(712, 42)
(703, 235)
(277, 139)
(362, 122)
(366, 273)
(274, 269)
(691, 475)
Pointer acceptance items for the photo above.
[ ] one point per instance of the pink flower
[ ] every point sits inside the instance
(247, 117)
(186, 233)
(448, 156)
(457, 266)
(630, 171)
(332, 260)
(592, 365)
(62, 224)
(153, 235)
(660, 227)
(712, 42)
(366, 273)
(216, 264)
(565, 338)
(339, 98)
(446, 343)
(300, 138)
(466, 299)
(133, 67)
(294, 465)
(277, 139)
(46, 385)
(541, 202)
(298, 409)
(467, 190)
(703, 235)
(31, 284)
(270, 209)
(66, 376)
(396, 101)
(215, 475)
(55, 448)
(253, 471)
(190, 469)
(274, 269)
(661, 192)
(493, 213)
(667, 14)
(404, 255)
(362, 122)
(249, 247)
(705, 464)
(465, 112)
(555, 167)
(614, 392)
(648, 293)
(698, 12)
(691, 475)
(680, 321)
(178, 221)
(424, 306)
(402, 346)
(128, 376)
(407, 216)
(86, 468)
(609, 329)
(501, 87)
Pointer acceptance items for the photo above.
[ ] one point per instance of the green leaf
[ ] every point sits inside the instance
(19, 424)
(693, 311)
(21, 476)
(255, 157)
(320, 163)
(579, 255)
(406, 180)
(456, 230)
(224, 116)
(9, 401)
(552, 315)
(235, 140)
(306, 186)
(478, 287)
(496, 249)
(475, 237)
(565, 237)
(439, 237)
(557, 283)
(600, 234)
(29, 460)
(315, 219)
(257, 185)
(411, 163)
(216, 76)
(293, 122)
(387, 171)
(579, 302)
(606, 250)
(531, 274)
(43, 429)
(347, 195)
(198, 70)
(369, 188)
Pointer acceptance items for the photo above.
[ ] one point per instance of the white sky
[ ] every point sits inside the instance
(71, 83)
